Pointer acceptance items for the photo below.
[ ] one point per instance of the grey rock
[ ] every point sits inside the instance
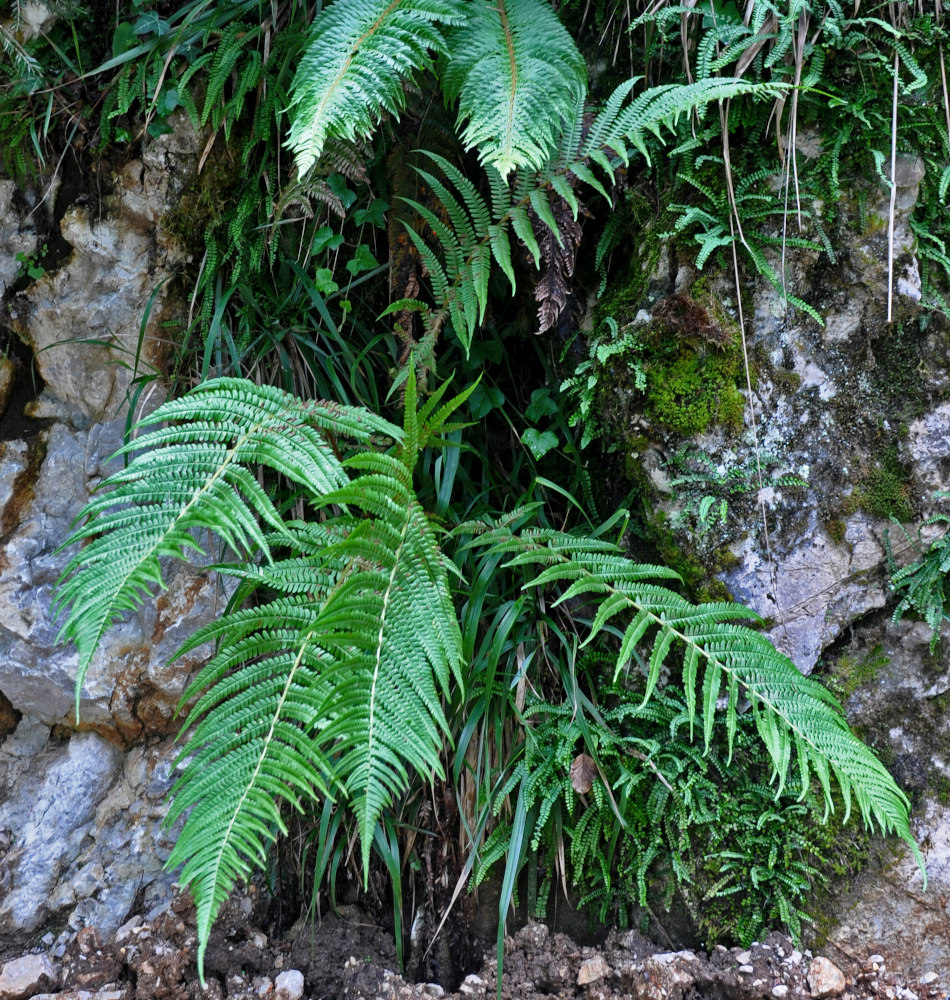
(50, 813)
(43, 486)
(17, 235)
(812, 587)
(927, 449)
(24, 977)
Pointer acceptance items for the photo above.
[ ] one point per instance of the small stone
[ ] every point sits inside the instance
(592, 969)
(928, 978)
(472, 985)
(876, 959)
(289, 985)
(747, 969)
(744, 957)
(26, 976)
(433, 990)
(794, 959)
(907, 995)
(779, 991)
(825, 979)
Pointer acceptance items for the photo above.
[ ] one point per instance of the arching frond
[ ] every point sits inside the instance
(359, 55)
(720, 660)
(518, 77)
(193, 476)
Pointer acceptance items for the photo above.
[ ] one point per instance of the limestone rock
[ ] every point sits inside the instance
(289, 985)
(43, 486)
(84, 318)
(825, 979)
(26, 976)
(592, 969)
(87, 828)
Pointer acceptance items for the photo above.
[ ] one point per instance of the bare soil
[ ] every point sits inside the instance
(348, 955)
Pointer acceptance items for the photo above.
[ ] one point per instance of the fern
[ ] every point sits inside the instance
(924, 583)
(334, 685)
(472, 233)
(518, 77)
(719, 659)
(359, 54)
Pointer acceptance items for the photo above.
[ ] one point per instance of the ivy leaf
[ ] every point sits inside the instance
(540, 442)
(541, 405)
(361, 261)
(484, 399)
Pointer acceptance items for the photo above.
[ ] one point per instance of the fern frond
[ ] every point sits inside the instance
(196, 480)
(254, 743)
(518, 77)
(352, 73)
(718, 657)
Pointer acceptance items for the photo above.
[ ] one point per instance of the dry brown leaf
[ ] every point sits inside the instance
(583, 772)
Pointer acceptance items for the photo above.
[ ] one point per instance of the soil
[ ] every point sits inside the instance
(348, 955)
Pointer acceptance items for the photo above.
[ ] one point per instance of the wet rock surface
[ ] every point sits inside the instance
(346, 955)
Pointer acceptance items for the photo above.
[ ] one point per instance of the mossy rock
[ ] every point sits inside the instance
(689, 393)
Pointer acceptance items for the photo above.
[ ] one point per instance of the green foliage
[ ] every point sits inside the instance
(334, 681)
(519, 80)
(307, 692)
(645, 814)
(386, 634)
(359, 54)
(925, 584)
(701, 486)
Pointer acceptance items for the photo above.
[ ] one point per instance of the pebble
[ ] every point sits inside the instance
(779, 991)
(744, 957)
(289, 985)
(927, 978)
(746, 969)
(825, 979)
(592, 969)
(472, 985)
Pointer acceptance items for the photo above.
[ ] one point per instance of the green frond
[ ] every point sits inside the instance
(518, 78)
(189, 476)
(359, 55)
(253, 745)
(719, 660)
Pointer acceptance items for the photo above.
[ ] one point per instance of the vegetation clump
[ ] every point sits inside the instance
(416, 588)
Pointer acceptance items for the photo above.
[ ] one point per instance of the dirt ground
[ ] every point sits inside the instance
(348, 955)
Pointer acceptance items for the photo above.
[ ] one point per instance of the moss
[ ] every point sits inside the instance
(836, 529)
(884, 491)
(786, 381)
(850, 673)
(690, 392)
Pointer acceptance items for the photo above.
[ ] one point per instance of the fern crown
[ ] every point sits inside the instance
(513, 68)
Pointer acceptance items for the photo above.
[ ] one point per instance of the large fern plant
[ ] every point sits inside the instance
(334, 683)
(510, 64)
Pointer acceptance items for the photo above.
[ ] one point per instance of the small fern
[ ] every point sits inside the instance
(925, 584)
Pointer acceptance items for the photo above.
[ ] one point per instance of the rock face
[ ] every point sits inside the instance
(852, 422)
(81, 812)
(84, 829)
(900, 694)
